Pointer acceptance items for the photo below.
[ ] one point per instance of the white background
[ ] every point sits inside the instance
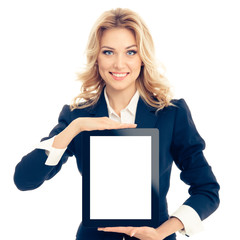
(42, 47)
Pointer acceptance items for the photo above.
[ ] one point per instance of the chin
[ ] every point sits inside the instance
(120, 87)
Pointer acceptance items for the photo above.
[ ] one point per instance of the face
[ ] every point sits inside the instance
(118, 61)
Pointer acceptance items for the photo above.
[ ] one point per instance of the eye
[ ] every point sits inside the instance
(108, 52)
(131, 52)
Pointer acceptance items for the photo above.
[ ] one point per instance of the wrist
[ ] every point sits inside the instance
(161, 235)
(169, 227)
(76, 126)
(65, 137)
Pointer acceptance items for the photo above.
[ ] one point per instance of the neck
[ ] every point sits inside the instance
(119, 100)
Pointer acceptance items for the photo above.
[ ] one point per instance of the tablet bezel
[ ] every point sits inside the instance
(86, 220)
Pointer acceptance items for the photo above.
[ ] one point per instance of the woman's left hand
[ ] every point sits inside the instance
(143, 233)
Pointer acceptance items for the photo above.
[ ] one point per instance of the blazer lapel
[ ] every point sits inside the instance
(145, 115)
(100, 108)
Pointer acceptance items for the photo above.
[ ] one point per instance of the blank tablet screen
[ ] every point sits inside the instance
(120, 177)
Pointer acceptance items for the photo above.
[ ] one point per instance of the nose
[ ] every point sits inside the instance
(119, 62)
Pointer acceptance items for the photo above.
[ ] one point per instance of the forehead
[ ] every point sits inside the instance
(118, 37)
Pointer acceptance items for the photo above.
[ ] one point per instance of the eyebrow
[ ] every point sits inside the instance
(114, 49)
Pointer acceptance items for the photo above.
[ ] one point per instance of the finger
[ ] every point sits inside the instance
(111, 229)
(111, 124)
(121, 126)
(128, 125)
(126, 230)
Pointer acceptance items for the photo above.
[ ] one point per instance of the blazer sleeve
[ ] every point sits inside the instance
(187, 151)
(31, 171)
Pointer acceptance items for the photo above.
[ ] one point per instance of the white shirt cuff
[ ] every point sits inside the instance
(190, 219)
(54, 154)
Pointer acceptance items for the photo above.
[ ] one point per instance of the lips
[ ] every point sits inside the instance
(119, 75)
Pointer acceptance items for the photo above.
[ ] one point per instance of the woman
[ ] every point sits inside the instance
(122, 88)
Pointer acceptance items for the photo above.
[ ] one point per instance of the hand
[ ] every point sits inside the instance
(78, 125)
(147, 233)
(101, 123)
(143, 233)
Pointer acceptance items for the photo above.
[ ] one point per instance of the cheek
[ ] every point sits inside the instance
(103, 70)
(136, 63)
(136, 66)
(103, 65)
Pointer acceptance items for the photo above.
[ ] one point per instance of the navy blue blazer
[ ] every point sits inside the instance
(179, 141)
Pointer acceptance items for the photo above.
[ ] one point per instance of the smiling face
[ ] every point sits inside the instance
(119, 63)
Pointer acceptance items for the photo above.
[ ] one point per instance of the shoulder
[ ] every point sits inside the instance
(177, 113)
(176, 105)
(182, 116)
(179, 103)
(182, 108)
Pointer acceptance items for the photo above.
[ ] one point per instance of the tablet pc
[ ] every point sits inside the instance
(120, 177)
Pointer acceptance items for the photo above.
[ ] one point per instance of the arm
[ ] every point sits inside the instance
(35, 168)
(187, 151)
(147, 233)
(32, 171)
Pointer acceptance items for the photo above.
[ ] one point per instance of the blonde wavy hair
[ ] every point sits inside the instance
(153, 87)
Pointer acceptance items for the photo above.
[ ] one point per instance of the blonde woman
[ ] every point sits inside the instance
(122, 88)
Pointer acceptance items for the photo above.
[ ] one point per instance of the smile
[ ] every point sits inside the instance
(119, 76)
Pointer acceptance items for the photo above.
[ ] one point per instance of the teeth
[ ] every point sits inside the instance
(119, 74)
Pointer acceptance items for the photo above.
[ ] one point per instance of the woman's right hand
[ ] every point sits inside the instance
(86, 124)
